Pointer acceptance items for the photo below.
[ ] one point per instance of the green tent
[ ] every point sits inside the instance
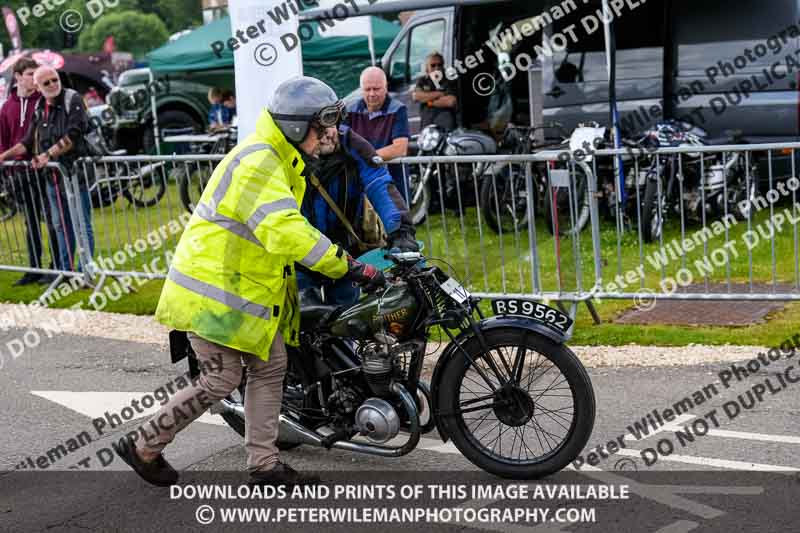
(336, 60)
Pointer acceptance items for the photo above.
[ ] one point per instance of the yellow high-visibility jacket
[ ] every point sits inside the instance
(232, 280)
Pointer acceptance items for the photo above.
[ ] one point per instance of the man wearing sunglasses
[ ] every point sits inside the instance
(232, 288)
(57, 134)
(438, 102)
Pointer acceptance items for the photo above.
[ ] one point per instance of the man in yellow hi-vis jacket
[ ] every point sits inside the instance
(232, 286)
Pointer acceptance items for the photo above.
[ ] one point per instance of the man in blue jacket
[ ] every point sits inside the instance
(350, 170)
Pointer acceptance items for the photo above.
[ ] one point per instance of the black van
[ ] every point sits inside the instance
(723, 65)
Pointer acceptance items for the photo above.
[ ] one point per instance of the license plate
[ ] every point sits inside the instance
(552, 318)
(455, 291)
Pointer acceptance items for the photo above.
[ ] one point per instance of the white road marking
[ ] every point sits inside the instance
(95, 404)
(709, 461)
(675, 425)
(753, 436)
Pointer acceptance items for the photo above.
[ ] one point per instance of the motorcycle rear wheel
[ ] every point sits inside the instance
(569, 409)
(146, 191)
(652, 214)
(571, 212)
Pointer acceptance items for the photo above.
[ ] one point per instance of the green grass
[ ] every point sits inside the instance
(480, 267)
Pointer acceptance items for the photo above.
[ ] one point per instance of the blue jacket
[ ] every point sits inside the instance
(219, 111)
(347, 176)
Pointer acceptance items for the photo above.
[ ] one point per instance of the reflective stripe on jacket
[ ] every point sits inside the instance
(231, 280)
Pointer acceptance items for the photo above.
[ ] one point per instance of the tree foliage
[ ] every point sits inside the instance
(133, 32)
(46, 32)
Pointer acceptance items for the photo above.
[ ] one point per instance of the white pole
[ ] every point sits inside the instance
(260, 65)
(154, 112)
(371, 38)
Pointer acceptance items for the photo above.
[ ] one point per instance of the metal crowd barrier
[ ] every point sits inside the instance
(546, 226)
(35, 207)
(140, 206)
(583, 237)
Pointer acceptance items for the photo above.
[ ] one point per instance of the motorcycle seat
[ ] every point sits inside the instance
(313, 311)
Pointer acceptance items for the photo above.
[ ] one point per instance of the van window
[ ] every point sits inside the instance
(398, 65)
(639, 38)
(425, 39)
(710, 32)
(408, 62)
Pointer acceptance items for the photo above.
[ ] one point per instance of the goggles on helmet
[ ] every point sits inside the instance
(331, 116)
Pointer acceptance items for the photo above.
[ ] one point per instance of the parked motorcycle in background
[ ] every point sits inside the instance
(454, 185)
(695, 186)
(141, 185)
(559, 188)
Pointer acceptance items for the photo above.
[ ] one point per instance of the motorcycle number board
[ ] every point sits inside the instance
(455, 290)
(546, 315)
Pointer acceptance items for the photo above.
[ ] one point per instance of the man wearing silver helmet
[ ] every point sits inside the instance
(232, 288)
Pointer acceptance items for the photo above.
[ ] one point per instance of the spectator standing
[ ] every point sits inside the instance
(438, 103)
(16, 116)
(56, 134)
(383, 122)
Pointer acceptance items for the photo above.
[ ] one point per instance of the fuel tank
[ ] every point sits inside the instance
(392, 311)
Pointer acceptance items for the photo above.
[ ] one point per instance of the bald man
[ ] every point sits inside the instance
(383, 122)
(56, 134)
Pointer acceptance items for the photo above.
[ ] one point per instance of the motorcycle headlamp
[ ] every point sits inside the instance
(430, 138)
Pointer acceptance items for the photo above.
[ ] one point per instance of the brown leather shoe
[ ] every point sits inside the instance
(282, 474)
(157, 472)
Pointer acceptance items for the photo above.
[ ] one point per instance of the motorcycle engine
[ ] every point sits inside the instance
(377, 420)
(378, 363)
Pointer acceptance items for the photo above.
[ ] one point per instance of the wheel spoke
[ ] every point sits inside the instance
(528, 378)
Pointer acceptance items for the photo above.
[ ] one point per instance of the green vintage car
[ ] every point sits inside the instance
(181, 102)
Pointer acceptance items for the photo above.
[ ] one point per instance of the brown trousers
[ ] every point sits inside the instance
(262, 403)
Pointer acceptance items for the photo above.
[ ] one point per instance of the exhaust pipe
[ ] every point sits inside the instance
(292, 431)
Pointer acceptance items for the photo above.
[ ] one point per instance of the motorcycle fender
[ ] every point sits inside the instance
(488, 324)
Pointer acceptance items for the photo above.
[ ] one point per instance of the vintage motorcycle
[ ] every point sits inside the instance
(141, 185)
(559, 189)
(432, 183)
(355, 381)
(694, 182)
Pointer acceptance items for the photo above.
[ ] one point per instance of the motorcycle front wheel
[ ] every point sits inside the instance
(145, 190)
(548, 393)
(566, 210)
(192, 182)
(420, 196)
(504, 200)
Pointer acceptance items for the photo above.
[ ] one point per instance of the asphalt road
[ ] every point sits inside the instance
(50, 393)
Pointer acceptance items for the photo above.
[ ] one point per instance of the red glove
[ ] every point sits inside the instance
(369, 277)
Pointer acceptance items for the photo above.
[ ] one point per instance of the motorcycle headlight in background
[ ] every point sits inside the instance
(429, 138)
